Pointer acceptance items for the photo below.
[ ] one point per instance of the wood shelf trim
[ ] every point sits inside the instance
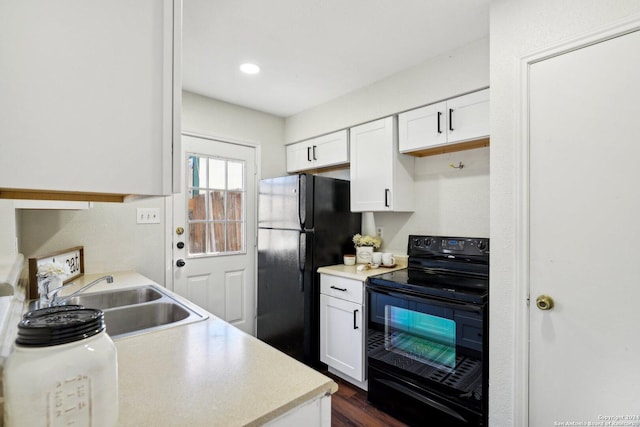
(451, 148)
(23, 194)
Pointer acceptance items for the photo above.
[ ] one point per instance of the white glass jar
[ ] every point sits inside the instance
(62, 370)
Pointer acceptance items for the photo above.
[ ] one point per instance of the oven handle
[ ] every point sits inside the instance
(421, 298)
(423, 399)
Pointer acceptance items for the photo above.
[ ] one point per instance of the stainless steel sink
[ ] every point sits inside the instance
(139, 310)
(116, 298)
(134, 319)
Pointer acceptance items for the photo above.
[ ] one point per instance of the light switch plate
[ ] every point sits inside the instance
(148, 216)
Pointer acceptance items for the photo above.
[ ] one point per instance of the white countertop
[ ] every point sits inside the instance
(207, 373)
(352, 272)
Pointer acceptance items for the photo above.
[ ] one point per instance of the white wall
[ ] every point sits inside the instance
(8, 229)
(517, 29)
(222, 120)
(454, 73)
(448, 201)
(111, 238)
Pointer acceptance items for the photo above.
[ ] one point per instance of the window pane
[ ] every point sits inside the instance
(235, 175)
(235, 205)
(197, 175)
(217, 173)
(197, 238)
(196, 206)
(216, 237)
(234, 237)
(217, 205)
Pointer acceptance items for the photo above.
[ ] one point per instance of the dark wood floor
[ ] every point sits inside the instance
(349, 408)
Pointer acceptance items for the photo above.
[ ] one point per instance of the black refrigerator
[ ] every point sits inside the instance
(304, 222)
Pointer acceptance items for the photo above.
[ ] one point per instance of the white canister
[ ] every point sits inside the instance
(62, 370)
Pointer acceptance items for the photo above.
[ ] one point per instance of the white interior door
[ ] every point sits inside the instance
(214, 255)
(584, 234)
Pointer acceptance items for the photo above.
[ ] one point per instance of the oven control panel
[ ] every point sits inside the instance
(448, 245)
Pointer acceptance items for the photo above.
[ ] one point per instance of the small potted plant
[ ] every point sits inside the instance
(364, 247)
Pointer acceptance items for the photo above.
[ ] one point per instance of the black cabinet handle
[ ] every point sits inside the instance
(451, 119)
(439, 114)
(386, 197)
(314, 153)
(355, 315)
(339, 289)
(308, 154)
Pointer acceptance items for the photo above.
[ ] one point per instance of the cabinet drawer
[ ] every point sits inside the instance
(343, 288)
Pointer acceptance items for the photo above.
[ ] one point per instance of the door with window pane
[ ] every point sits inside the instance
(217, 213)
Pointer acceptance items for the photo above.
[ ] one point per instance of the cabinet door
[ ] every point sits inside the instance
(341, 336)
(468, 117)
(299, 156)
(87, 96)
(372, 161)
(330, 150)
(422, 128)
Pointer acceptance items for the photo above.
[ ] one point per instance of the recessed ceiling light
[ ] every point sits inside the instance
(249, 68)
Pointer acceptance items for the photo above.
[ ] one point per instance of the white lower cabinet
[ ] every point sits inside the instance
(314, 413)
(342, 327)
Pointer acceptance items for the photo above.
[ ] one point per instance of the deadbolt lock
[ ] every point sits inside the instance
(179, 230)
(544, 302)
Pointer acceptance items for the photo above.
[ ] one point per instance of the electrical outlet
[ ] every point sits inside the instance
(148, 216)
(379, 231)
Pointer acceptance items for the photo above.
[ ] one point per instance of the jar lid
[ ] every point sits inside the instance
(47, 310)
(59, 325)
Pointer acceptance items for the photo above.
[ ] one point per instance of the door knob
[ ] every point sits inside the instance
(179, 230)
(544, 302)
(180, 245)
(180, 263)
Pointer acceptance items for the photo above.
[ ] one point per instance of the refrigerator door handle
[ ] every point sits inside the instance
(302, 250)
(302, 203)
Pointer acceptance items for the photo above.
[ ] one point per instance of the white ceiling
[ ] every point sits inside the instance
(312, 51)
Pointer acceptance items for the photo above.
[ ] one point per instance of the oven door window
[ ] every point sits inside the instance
(427, 341)
(420, 336)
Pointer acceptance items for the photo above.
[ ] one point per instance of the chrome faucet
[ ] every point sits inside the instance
(53, 295)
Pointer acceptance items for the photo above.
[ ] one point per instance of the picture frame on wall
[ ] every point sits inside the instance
(72, 257)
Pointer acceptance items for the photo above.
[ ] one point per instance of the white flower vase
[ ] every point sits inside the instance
(364, 254)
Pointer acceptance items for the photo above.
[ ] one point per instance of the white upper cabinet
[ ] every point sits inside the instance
(457, 120)
(381, 178)
(91, 98)
(317, 153)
